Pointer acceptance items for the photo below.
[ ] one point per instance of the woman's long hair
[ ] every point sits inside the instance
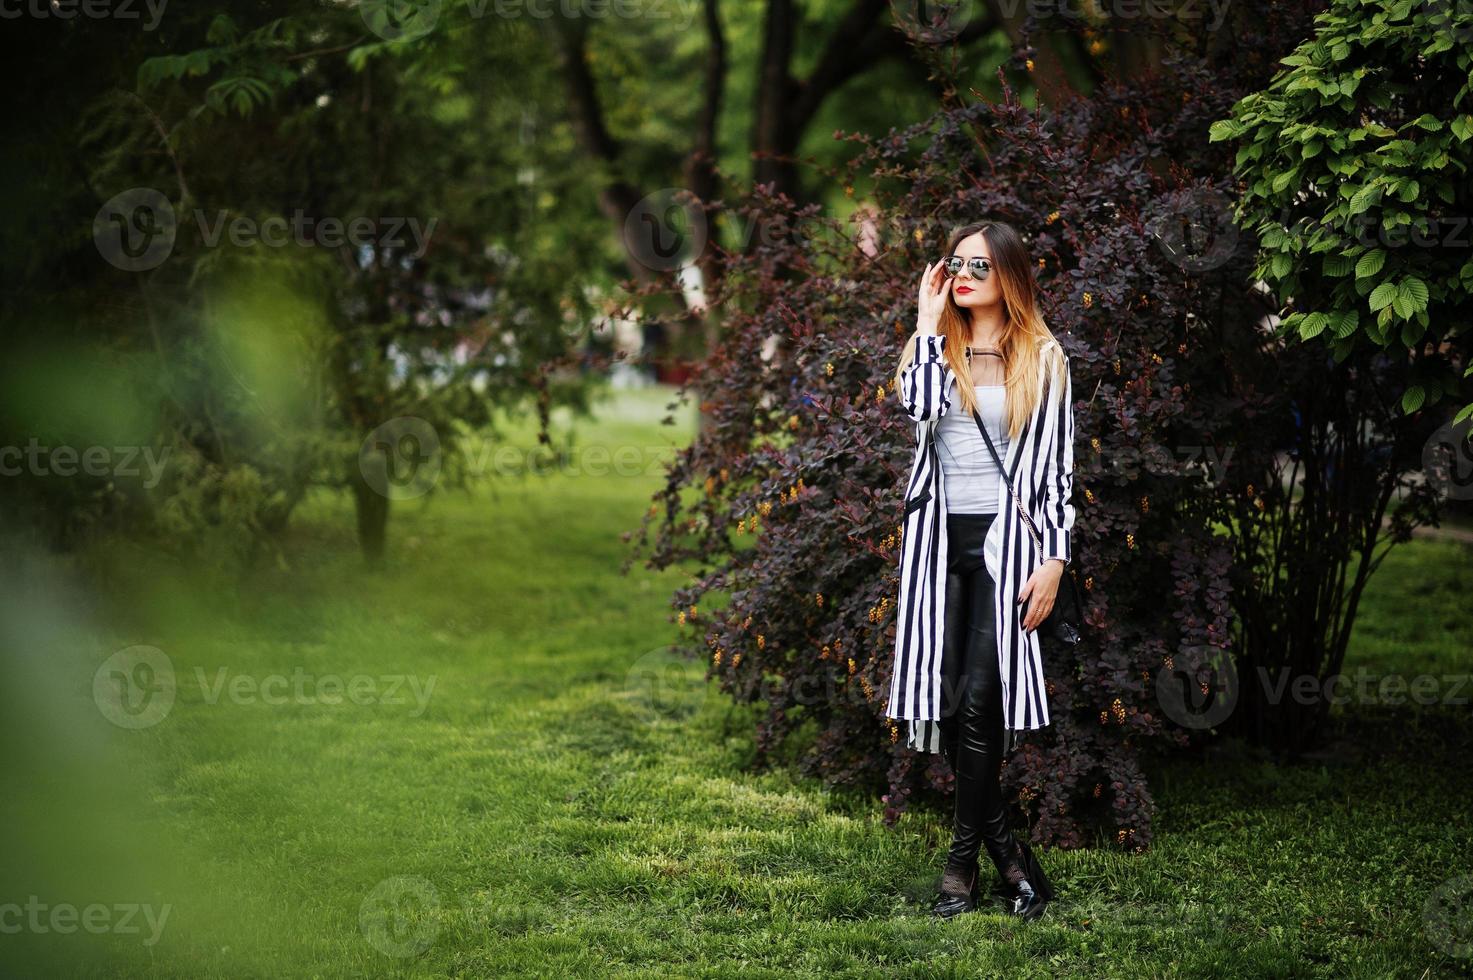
(1024, 332)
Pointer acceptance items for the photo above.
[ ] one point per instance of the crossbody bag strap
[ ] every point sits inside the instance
(1033, 531)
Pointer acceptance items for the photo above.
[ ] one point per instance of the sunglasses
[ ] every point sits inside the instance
(979, 267)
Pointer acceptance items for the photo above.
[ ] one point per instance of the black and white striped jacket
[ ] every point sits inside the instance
(1040, 463)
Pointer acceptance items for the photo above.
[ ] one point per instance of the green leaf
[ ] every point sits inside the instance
(222, 30)
(1382, 296)
(241, 92)
(1415, 292)
(1412, 399)
(1402, 305)
(197, 62)
(1370, 264)
(1364, 198)
(1225, 129)
(1314, 324)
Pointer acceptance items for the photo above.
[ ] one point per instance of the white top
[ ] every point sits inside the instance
(966, 463)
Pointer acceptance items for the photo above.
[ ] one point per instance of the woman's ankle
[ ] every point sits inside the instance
(1010, 866)
(959, 877)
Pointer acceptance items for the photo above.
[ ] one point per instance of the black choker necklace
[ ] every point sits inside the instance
(984, 350)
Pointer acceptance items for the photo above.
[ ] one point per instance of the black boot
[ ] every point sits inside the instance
(958, 891)
(1029, 890)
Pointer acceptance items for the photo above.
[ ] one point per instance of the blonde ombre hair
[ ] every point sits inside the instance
(1025, 335)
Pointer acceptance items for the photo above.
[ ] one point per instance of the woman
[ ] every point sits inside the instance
(968, 676)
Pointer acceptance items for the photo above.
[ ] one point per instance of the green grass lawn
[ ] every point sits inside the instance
(544, 809)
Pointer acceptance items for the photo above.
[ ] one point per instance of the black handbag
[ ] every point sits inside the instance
(1063, 620)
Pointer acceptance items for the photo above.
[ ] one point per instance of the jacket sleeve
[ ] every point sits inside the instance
(1058, 479)
(925, 382)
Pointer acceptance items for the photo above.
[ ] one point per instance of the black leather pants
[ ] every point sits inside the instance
(972, 719)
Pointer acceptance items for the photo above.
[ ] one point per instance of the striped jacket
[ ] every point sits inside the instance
(1040, 463)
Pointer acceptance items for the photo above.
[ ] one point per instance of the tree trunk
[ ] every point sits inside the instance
(372, 509)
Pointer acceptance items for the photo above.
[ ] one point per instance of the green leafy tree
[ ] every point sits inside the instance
(273, 360)
(1354, 168)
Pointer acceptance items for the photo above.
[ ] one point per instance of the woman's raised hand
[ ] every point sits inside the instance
(935, 286)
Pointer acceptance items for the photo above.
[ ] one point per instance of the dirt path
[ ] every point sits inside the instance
(1444, 533)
